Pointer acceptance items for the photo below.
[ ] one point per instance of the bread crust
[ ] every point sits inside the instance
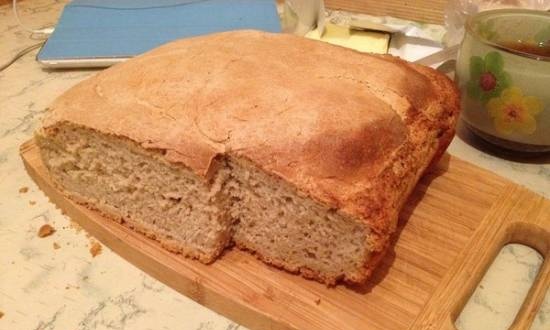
(352, 131)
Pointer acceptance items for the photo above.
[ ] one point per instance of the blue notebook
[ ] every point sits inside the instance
(118, 29)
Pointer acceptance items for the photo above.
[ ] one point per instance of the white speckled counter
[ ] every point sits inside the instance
(47, 288)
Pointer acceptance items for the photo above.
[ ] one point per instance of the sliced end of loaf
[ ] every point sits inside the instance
(289, 230)
(199, 218)
(138, 187)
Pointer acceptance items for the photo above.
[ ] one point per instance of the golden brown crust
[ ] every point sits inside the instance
(329, 120)
(349, 130)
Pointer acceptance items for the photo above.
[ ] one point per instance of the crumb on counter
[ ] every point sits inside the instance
(56, 246)
(23, 190)
(95, 249)
(75, 226)
(32, 202)
(1, 314)
(45, 230)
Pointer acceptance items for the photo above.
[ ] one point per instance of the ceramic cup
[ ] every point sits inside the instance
(504, 82)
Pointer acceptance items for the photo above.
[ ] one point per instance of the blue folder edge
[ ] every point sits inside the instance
(91, 29)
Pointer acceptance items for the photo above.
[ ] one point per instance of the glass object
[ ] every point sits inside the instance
(457, 12)
(301, 16)
(503, 72)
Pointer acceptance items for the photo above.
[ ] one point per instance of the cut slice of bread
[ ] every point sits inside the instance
(300, 152)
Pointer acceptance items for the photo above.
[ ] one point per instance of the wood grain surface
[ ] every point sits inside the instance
(452, 227)
(429, 11)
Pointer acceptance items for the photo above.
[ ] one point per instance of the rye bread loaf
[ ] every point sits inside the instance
(300, 152)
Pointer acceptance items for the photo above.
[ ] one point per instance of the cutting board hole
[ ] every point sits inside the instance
(499, 295)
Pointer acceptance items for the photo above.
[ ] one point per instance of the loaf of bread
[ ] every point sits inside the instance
(297, 151)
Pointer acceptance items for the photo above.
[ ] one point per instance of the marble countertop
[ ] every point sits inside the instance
(55, 282)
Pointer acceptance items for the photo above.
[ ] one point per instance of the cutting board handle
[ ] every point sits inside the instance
(538, 238)
(518, 216)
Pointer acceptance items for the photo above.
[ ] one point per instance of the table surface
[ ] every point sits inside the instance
(56, 283)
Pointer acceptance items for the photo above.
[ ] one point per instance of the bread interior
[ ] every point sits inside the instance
(200, 217)
(162, 200)
(287, 229)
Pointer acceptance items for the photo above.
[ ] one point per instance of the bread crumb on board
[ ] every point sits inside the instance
(95, 249)
(23, 190)
(317, 301)
(1, 314)
(56, 246)
(75, 226)
(32, 202)
(45, 230)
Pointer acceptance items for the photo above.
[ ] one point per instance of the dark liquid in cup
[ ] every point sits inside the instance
(542, 49)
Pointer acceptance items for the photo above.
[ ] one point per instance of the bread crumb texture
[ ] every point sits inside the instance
(75, 226)
(95, 249)
(45, 231)
(23, 190)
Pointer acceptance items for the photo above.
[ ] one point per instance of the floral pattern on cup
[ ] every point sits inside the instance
(487, 77)
(514, 112)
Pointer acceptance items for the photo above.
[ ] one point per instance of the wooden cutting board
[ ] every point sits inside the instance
(427, 11)
(452, 227)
